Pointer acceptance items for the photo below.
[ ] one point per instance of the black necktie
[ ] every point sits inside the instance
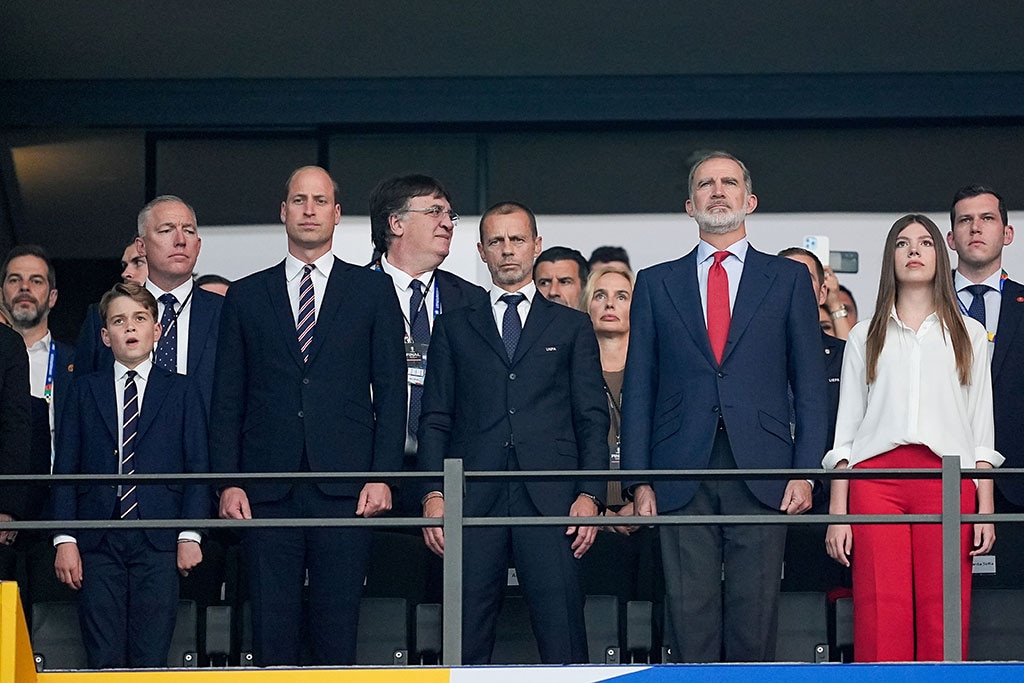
(977, 309)
(167, 351)
(419, 330)
(511, 325)
(129, 508)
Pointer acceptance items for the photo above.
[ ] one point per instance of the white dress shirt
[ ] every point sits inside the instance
(38, 364)
(142, 371)
(916, 397)
(993, 298)
(498, 306)
(183, 293)
(733, 269)
(293, 278)
(403, 287)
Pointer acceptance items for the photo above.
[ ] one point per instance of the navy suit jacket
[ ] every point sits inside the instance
(834, 348)
(674, 391)
(91, 354)
(171, 438)
(1008, 387)
(548, 402)
(15, 421)
(271, 410)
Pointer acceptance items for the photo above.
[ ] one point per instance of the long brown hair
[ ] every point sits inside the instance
(943, 297)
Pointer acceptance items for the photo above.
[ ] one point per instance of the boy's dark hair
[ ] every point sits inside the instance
(135, 292)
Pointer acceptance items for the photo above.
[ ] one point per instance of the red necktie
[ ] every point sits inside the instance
(718, 305)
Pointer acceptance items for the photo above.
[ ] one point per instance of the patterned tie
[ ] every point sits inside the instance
(511, 325)
(977, 309)
(307, 312)
(167, 351)
(718, 305)
(419, 329)
(129, 507)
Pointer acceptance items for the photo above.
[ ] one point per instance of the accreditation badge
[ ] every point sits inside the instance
(415, 362)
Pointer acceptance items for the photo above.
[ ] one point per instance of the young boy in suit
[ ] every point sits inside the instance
(130, 418)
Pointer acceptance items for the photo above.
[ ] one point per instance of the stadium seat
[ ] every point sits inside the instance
(997, 625)
(601, 613)
(184, 652)
(803, 627)
(383, 636)
(429, 633)
(219, 634)
(57, 636)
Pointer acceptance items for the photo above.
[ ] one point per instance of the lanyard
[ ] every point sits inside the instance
(963, 309)
(50, 363)
(437, 298)
(174, 320)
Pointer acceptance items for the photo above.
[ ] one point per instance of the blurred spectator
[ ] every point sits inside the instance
(217, 284)
(609, 256)
(133, 265)
(559, 273)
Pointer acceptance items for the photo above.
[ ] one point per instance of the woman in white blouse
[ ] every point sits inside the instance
(915, 386)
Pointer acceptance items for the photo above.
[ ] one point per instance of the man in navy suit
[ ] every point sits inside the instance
(716, 340)
(514, 383)
(169, 242)
(130, 418)
(310, 378)
(15, 437)
(979, 229)
(30, 292)
(412, 224)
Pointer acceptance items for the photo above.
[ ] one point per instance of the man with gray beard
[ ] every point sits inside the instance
(717, 338)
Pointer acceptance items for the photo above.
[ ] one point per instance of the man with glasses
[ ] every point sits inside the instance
(412, 225)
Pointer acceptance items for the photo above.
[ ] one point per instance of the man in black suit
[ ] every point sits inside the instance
(169, 242)
(15, 435)
(412, 224)
(979, 229)
(515, 383)
(310, 378)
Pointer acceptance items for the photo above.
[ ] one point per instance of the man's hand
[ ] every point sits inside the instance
(234, 504)
(190, 554)
(583, 506)
(644, 501)
(434, 536)
(626, 510)
(797, 497)
(374, 499)
(68, 565)
(7, 537)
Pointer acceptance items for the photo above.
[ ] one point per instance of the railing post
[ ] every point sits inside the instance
(451, 645)
(952, 639)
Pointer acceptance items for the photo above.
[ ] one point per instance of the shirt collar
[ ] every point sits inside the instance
(960, 282)
(738, 249)
(932, 318)
(293, 266)
(181, 292)
(142, 369)
(42, 344)
(528, 290)
(402, 279)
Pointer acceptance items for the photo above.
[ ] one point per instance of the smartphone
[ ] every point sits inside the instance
(818, 245)
(844, 261)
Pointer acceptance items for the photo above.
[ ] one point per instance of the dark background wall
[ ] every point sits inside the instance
(572, 107)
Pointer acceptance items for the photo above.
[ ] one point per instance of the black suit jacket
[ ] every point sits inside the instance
(548, 402)
(1008, 387)
(92, 354)
(342, 411)
(15, 423)
(171, 438)
(834, 348)
(41, 446)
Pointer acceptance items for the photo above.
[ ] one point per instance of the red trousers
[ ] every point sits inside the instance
(897, 568)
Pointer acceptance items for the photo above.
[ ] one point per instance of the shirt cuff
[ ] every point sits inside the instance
(63, 538)
(834, 457)
(189, 536)
(988, 455)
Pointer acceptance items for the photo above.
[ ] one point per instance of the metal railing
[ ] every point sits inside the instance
(454, 522)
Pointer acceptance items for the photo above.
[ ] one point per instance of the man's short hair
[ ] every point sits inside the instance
(212, 279)
(162, 199)
(608, 254)
(135, 292)
(505, 208)
(30, 250)
(552, 254)
(300, 169)
(800, 251)
(392, 196)
(968, 191)
(702, 156)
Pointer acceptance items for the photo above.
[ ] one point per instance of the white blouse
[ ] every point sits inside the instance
(916, 397)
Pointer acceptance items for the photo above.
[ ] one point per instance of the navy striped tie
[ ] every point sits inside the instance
(307, 312)
(129, 507)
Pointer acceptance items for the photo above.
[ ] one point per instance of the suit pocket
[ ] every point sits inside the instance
(359, 413)
(775, 427)
(668, 420)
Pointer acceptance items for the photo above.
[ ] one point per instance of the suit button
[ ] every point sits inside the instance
(721, 374)
(511, 411)
(300, 414)
(305, 380)
(511, 375)
(714, 409)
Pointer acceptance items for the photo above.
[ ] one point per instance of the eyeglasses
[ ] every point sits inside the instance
(436, 212)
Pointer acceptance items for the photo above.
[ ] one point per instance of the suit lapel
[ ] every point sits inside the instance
(1011, 313)
(152, 401)
(684, 292)
(106, 402)
(541, 314)
(199, 324)
(757, 278)
(481, 319)
(277, 290)
(329, 307)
